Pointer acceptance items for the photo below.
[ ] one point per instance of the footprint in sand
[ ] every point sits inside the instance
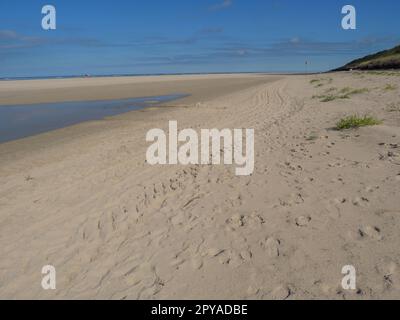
(339, 201)
(225, 258)
(214, 252)
(387, 266)
(371, 232)
(177, 262)
(234, 258)
(281, 292)
(256, 220)
(143, 274)
(246, 255)
(389, 270)
(236, 221)
(371, 189)
(291, 200)
(361, 201)
(272, 246)
(197, 263)
(252, 291)
(327, 289)
(178, 219)
(302, 221)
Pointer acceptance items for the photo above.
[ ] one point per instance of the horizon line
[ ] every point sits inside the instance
(156, 74)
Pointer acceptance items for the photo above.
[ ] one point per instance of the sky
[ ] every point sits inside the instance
(187, 36)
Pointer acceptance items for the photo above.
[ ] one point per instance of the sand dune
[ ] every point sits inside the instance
(84, 200)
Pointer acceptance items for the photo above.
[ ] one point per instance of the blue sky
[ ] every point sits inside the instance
(159, 36)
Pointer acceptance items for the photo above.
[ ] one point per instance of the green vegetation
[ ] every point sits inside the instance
(350, 91)
(321, 82)
(390, 87)
(384, 73)
(312, 137)
(388, 59)
(329, 90)
(332, 94)
(332, 97)
(355, 121)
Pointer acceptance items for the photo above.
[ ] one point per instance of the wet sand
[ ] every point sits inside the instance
(57, 90)
(21, 121)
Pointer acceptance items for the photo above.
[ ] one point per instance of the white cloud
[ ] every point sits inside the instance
(223, 5)
(8, 34)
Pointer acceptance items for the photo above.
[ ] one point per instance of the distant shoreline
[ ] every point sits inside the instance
(197, 87)
(41, 118)
(156, 74)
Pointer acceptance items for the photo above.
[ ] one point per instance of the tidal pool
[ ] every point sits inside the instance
(19, 121)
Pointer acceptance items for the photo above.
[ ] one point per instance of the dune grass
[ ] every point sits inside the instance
(329, 90)
(312, 136)
(355, 121)
(390, 87)
(332, 97)
(350, 91)
(381, 61)
(384, 73)
(321, 82)
(332, 94)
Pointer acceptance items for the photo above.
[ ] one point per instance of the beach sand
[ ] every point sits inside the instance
(84, 200)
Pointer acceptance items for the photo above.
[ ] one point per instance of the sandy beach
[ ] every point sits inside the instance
(84, 200)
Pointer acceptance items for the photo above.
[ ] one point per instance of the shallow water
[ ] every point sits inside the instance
(21, 121)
